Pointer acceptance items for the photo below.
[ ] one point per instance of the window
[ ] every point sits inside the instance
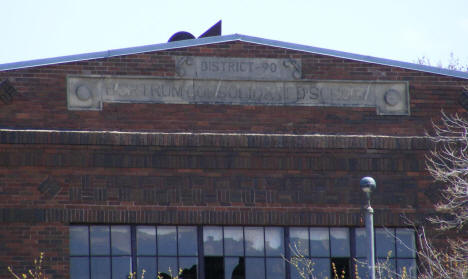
(112, 252)
(323, 246)
(167, 249)
(395, 249)
(230, 252)
(243, 252)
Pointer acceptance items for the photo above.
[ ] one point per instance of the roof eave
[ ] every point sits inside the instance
(230, 38)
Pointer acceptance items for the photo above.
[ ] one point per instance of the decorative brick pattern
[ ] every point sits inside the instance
(49, 188)
(206, 164)
(7, 91)
(187, 139)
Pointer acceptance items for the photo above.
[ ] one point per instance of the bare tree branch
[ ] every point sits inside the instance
(436, 263)
(448, 164)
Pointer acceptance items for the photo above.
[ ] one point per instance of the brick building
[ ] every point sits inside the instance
(213, 155)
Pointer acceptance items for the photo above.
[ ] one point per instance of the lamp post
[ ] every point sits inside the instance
(367, 186)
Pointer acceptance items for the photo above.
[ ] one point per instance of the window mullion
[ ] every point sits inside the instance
(133, 251)
(89, 251)
(264, 252)
(177, 251)
(110, 249)
(287, 253)
(201, 253)
(352, 251)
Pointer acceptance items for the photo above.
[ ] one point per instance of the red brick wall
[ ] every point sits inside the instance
(22, 242)
(51, 179)
(42, 100)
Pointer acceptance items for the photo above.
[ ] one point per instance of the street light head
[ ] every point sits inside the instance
(368, 184)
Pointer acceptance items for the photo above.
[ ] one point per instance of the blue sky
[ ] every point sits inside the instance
(400, 29)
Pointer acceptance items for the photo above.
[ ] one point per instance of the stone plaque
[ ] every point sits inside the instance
(228, 68)
(89, 92)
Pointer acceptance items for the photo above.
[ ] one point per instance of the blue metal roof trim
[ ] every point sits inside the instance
(230, 38)
(356, 57)
(116, 52)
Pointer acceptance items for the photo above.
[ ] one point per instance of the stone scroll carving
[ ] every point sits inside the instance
(90, 92)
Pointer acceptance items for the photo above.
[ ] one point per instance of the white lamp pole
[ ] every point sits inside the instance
(367, 186)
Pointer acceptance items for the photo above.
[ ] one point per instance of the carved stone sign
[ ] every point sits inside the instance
(89, 92)
(229, 68)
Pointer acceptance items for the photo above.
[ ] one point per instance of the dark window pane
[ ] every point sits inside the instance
(275, 268)
(299, 241)
(407, 266)
(79, 245)
(385, 268)
(254, 268)
(233, 241)
(274, 241)
(214, 267)
(100, 268)
(189, 267)
(321, 267)
(120, 236)
(339, 268)
(167, 266)
(100, 240)
(79, 268)
(212, 241)
(167, 240)
(254, 242)
(385, 243)
(146, 240)
(361, 243)
(405, 243)
(188, 241)
(319, 242)
(121, 267)
(234, 267)
(339, 238)
(148, 264)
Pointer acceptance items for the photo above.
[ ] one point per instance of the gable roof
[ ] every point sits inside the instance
(231, 38)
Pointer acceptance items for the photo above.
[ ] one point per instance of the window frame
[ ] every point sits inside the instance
(199, 229)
